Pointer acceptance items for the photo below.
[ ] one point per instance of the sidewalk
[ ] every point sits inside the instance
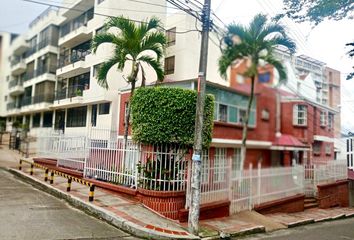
(130, 215)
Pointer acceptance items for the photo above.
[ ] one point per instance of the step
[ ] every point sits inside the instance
(310, 205)
(310, 200)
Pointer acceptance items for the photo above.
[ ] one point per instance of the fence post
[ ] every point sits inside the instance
(68, 188)
(46, 174)
(91, 194)
(259, 179)
(20, 166)
(51, 181)
(250, 205)
(31, 171)
(27, 148)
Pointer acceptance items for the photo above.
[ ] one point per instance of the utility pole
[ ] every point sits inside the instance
(193, 219)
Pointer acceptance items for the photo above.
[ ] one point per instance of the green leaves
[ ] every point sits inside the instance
(167, 115)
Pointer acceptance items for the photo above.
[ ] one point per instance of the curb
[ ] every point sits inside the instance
(242, 233)
(300, 223)
(98, 212)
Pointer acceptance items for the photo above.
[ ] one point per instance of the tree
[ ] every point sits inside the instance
(139, 44)
(253, 44)
(350, 54)
(317, 10)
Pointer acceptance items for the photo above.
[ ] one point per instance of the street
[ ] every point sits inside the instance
(340, 229)
(27, 213)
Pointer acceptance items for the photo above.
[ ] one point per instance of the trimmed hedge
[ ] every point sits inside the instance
(167, 115)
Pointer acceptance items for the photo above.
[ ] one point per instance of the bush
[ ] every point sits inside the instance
(167, 115)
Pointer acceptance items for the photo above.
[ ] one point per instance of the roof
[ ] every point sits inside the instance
(286, 140)
(310, 59)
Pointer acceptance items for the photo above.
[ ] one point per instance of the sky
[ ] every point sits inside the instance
(326, 42)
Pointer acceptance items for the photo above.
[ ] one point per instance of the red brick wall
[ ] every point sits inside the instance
(285, 205)
(334, 194)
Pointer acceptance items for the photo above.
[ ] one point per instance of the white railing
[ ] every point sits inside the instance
(247, 188)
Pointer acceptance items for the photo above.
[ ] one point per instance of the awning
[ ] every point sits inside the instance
(288, 142)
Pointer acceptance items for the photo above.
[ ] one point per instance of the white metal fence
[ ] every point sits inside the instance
(323, 173)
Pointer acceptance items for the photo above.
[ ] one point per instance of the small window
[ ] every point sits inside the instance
(330, 120)
(242, 114)
(317, 147)
(240, 79)
(104, 108)
(94, 115)
(264, 77)
(170, 65)
(96, 68)
(36, 120)
(323, 119)
(171, 37)
(5, 98)
(300, 115)
(328, 149)
(222, 113)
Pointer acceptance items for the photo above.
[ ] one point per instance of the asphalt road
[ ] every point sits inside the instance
(334, 230)
(27, 213)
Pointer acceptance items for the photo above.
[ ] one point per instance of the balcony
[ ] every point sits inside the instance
(19, 45)
(37, 103)
(18, 66)
(13, 108)
(29, 75)
(16, 87)
(74, 64)
(70, 96)
(76, 31)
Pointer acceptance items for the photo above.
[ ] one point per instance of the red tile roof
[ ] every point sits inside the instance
(288, 141)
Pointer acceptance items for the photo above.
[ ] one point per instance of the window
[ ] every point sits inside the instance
(242, 115)
(300, 115)
(76, 117)
(171, 37)
(222, 113)
(264, 77)
(47, 119)
(5, 98)
(240, 79)
(330, 120)
(96, 69)
(220, 165)
(170, 65)
(323, 119)
(317, 147)
(104, 108)
(36, 120)
(94, 115)
(328, 149)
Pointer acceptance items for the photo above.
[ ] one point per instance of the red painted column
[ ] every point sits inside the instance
(287, 159)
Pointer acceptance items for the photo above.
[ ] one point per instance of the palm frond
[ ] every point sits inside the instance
(285, 42)
(277, 65)
(229, 55)
(156, 65)
(144, 28)
(127, 26)
(103, 71)
(101, 38)
(156, 42)
(257, 25)
(272, 29)
(236, 30)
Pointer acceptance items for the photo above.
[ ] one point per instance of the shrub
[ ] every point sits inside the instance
(167, 115)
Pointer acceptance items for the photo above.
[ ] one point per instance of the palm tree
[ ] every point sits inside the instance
(141, 44)
(255, 45)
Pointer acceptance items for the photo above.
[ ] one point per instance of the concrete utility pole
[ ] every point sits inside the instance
(193, 220)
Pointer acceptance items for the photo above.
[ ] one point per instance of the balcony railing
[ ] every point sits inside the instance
(76, 23)
(15, 82)
(16, 60)
(43, 70)
(77, 55)
(48, 98)
(70, 92)
(13, 105)
(29, 75)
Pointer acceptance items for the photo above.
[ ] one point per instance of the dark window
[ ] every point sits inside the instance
(36, 120)
(104, 108)
(222, 113)
(76, 117)
(264, 77)
(47, 119)
(96, 69)
(94, 115)
(170, 65)
(171, 37)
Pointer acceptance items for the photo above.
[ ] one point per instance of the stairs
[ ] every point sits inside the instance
(310, 202)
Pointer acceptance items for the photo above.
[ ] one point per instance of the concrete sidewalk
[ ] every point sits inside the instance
(130, 215)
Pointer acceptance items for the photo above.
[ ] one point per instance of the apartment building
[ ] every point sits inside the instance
(52, 81)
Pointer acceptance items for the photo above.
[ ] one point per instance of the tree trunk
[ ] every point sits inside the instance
(245, 125)
(132, 79)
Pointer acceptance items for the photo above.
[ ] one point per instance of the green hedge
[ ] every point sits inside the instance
(167, 115)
